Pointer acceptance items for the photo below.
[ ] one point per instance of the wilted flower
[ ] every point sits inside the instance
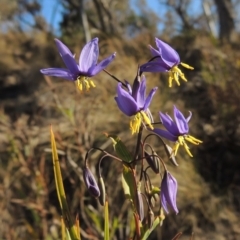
(86, 68)
(90, 182)
(165, 59)
(134, 103)
(169, 192)
(176, 131)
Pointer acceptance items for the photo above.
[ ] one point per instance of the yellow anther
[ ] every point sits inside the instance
(175, 149)
(146, 119)
(170, 79)
(192, 139)
(175, 73)
(84, 83)
(187, 66)
(92, 83)
(187, 149)
(137, 120)
(182, 142)
(135, 123)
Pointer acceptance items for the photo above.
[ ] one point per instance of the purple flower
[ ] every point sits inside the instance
(83, 71)
(176, 131)
(165, 59)
(90, 182)
(134, 103)
(169, 192)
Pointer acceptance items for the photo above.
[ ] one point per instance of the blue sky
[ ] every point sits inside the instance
(52, 10)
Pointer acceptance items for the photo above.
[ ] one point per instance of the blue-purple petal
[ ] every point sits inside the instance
(169, 124)
(89, 56)
(67, 57)
(164, 202)
(168, 54)
(128, 86)
(140, 94)
(165, 134)
(149, 98)
(126, 102)
(181, 122)
(169, 192)
(189, 117)
(154, 52)
(103, 64)
(58, 72)
(155, 66)
(62, 48)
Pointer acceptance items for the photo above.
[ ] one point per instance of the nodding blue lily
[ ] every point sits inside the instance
(165, 59)
(90, 182)
(169, 192)
(84, 70)
(134, 103)
(177, 131)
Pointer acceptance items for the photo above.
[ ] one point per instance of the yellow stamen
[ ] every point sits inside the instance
(137, 120)
(135, 123)
(193, 139)
(187, 149)
(146, 120)
(175, 149)
(187, 66)
(84, 83)
(175, 73)
(182, 141)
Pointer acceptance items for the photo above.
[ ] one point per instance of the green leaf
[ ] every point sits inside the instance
(129, 185)
(61, 192)
(106, 222)
(120, 148)
(158, 221)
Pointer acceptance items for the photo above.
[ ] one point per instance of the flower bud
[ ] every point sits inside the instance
(150, 218)
(90, 182)
(102, 197)
(140, 206)
(153, 161)
(169, 192)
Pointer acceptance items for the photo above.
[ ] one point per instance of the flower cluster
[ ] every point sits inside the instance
(134, 103)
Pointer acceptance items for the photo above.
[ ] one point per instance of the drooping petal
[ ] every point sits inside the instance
(90, 182)
(168, 54)
(181, 122)
(89, 55)
(58, 72)
(169, 124)
(67, 57)
(165, 134)
(169, 192)
(126, 102)
(103, 64)
(149, 98)
(141, 92)
(155, 66)
(164, 202)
